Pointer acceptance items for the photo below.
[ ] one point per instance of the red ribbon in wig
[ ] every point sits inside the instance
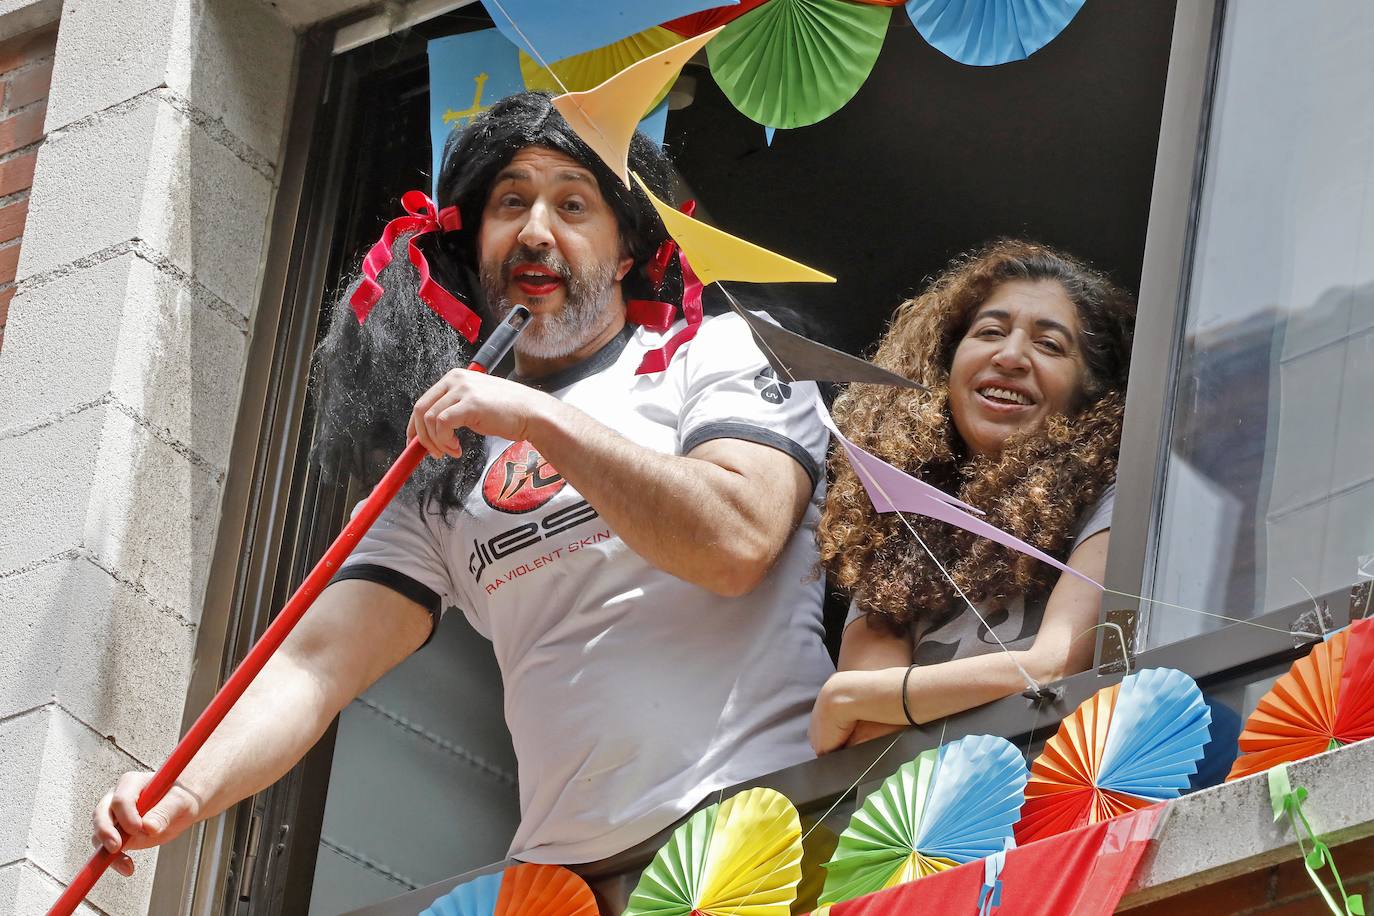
(424, 217)
(658, 316)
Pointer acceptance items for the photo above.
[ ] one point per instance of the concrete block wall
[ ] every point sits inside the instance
(154, 172)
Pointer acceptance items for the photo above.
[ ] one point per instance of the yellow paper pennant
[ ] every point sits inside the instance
(606, 117)
(717, 255)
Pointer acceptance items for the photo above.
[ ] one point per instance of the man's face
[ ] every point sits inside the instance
(549, 241)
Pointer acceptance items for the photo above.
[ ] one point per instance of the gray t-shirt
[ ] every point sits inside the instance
(959, 634)
(630, 694)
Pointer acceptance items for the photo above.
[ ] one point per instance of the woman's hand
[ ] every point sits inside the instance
(179, 809)
(837, 720)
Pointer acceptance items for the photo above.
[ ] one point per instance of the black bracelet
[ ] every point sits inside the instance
(906, 710)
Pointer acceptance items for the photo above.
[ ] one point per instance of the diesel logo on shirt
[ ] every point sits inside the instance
(520, 480)
(484, 553)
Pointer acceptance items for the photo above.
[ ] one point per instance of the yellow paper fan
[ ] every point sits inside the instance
(753, 865)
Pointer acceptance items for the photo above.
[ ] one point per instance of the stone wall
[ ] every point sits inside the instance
(119, 381)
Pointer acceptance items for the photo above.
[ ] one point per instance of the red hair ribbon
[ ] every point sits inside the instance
(424, 217)
(658, 316)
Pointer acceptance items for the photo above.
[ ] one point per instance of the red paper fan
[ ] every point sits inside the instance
(1326, 699)
(694, 24)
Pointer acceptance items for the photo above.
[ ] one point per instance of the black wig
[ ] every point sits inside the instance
(368, 376)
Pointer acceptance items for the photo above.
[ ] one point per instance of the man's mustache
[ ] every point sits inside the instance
(545, 259)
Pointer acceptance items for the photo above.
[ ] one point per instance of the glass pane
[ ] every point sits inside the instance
(1269, 486)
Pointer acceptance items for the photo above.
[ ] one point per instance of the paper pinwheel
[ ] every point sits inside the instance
(741, 858)
(951, 805)
(791, 63)
(1324, 701)
(988, 32)
(521, 890)
(1126, 747)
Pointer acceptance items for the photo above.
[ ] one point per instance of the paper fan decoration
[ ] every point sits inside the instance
(706, 20)
(521, 890)
(791, 63)
(950, 805)
(592, 68)
(1126, 747)
(739, 858)
(984, 33)
(1325, 700)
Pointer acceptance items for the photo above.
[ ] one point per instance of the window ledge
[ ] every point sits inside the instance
(1229, 830)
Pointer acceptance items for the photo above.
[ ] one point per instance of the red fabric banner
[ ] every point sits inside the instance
(1083, 871)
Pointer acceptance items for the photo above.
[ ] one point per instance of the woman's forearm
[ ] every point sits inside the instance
(932, 691)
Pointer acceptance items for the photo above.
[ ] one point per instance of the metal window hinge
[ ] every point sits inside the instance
(250, 859)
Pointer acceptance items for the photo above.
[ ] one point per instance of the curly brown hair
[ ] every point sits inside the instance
(1036, 489)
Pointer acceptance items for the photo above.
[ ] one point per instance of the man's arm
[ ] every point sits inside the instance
(355, 633)
(717, 517)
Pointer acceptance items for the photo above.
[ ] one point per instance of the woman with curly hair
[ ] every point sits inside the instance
(1024, 351)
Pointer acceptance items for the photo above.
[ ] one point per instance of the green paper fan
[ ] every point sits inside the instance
(951, 805)
(791, 63)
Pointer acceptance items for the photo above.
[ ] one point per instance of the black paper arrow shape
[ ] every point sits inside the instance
(797, 358)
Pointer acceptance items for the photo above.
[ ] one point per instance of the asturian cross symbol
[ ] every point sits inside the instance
(480, 80)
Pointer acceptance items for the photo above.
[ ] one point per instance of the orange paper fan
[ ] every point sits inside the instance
(1126, 747)
(1325, 700)
(521, 890)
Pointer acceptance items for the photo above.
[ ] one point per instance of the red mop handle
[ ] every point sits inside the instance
(276, 633)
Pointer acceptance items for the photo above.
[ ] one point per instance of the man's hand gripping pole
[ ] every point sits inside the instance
(491, 352)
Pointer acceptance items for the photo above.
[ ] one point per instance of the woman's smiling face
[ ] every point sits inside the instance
(1018, 364)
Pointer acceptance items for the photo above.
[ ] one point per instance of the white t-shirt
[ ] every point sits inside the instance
(630, 694)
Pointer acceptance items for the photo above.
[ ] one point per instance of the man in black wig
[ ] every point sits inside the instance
(637, 546)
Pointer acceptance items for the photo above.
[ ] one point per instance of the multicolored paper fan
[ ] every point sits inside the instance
(741, 857)
(696, 23)
(592, 68)
(1325, 700)
(985, 33)
(791, 63)
(521, 890)
(950, 805)
(1126, 747)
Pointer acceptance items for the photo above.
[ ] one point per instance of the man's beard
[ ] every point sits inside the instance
(586, 295)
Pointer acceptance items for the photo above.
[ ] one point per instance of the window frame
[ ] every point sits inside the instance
(1162, 307)
(267, 536)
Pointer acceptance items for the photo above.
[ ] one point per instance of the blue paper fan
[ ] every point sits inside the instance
(949, 806)
(473, 898)
(975, 798)
(1158, 730)
(984, 33)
